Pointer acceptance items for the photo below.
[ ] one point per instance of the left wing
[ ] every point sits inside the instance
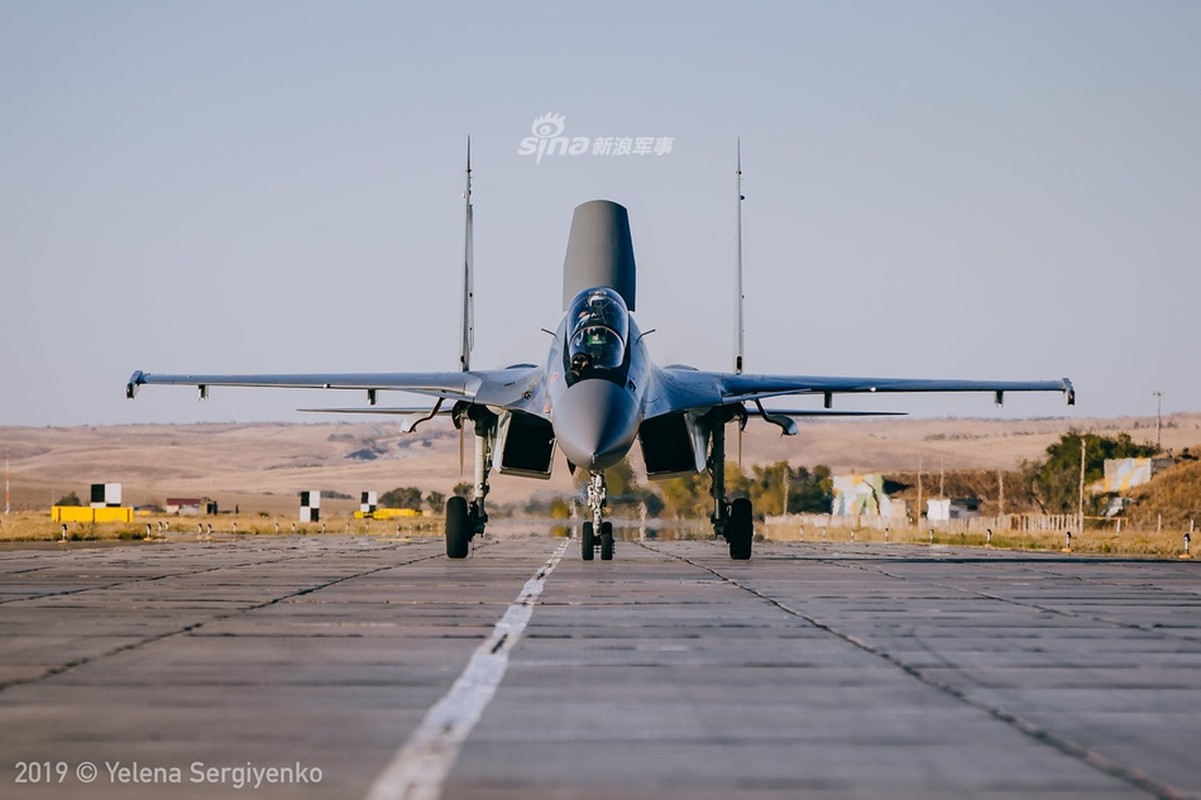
(685, 389)
(512, 388)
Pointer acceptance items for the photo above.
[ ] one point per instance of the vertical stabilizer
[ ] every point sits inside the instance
(739, 327)
(468, 273)
(600, 251)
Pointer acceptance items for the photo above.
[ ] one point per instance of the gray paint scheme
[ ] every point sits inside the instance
(595, 419)
(595, 413)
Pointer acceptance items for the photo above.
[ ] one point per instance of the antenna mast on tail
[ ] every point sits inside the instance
(738, 296)
(468, 278)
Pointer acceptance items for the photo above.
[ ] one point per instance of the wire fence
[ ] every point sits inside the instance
(1007, 523)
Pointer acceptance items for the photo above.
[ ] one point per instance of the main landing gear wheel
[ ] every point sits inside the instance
(606, 541)
(740, 530)
(458, 527)
(587, 541)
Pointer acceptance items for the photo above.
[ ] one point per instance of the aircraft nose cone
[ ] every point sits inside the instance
(595, 423)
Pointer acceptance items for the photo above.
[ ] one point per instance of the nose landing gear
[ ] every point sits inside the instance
(596, 528)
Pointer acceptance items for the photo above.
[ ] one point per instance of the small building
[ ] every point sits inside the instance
(945, 509)
(865, 496)
(1123, 474)
(186, 506)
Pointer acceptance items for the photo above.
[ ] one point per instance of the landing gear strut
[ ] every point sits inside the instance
(596, 528)
(731, 520)
(465, 519)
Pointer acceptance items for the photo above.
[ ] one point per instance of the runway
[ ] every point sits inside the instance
(349, 667)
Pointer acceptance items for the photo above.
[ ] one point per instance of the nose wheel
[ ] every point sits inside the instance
(590, 541)
(587, 541)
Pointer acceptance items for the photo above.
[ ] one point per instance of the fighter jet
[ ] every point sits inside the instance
(597, 392)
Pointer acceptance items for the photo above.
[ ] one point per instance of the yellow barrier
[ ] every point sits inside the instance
(84, 514)
(388, 513)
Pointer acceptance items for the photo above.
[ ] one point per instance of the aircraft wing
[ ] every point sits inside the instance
(683, 389)
(506, 388)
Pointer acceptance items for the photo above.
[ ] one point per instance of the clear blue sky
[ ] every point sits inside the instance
(935, 189)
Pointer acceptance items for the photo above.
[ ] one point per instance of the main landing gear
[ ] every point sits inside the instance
(596, 531)
(730, 519)
(465, 519)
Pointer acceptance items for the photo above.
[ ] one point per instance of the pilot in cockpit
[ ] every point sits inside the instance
(600, 327)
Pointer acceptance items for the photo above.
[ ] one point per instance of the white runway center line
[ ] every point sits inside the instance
(422, 764)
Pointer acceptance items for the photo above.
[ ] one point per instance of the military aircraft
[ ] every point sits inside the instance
(598, 391)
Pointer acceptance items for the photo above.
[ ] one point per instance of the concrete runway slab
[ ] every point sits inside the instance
(189, 669)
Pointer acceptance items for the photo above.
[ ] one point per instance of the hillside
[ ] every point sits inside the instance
(1173, 498)
(263, 466)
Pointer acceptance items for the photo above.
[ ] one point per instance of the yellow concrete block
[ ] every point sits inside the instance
(85, 514)
(388, 513)
(124, 514)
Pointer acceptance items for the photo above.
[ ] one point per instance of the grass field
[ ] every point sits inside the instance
(30, 526)
(1150, 544)
(38, 527)
(259, 470)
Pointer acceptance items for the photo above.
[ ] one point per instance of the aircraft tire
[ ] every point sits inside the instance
(741, 529)
(458, 527)
(587, 541)
(606, 541)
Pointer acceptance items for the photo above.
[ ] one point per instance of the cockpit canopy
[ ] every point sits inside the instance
(598, 327)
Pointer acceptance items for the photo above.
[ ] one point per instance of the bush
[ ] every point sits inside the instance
(71, 499)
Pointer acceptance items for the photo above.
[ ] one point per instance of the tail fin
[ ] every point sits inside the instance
(739, 328)
(600, 251)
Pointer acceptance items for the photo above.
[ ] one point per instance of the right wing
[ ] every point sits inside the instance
(685, 389)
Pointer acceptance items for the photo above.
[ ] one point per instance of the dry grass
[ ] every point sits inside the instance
(1148, 544)
(1172, 499)
(261, 468)
(39, 527)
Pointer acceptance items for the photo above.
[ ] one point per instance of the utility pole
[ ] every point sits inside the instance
(787, 480)
(1158, 419)
(918, 516)
(1080, 507)
(7, 496)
